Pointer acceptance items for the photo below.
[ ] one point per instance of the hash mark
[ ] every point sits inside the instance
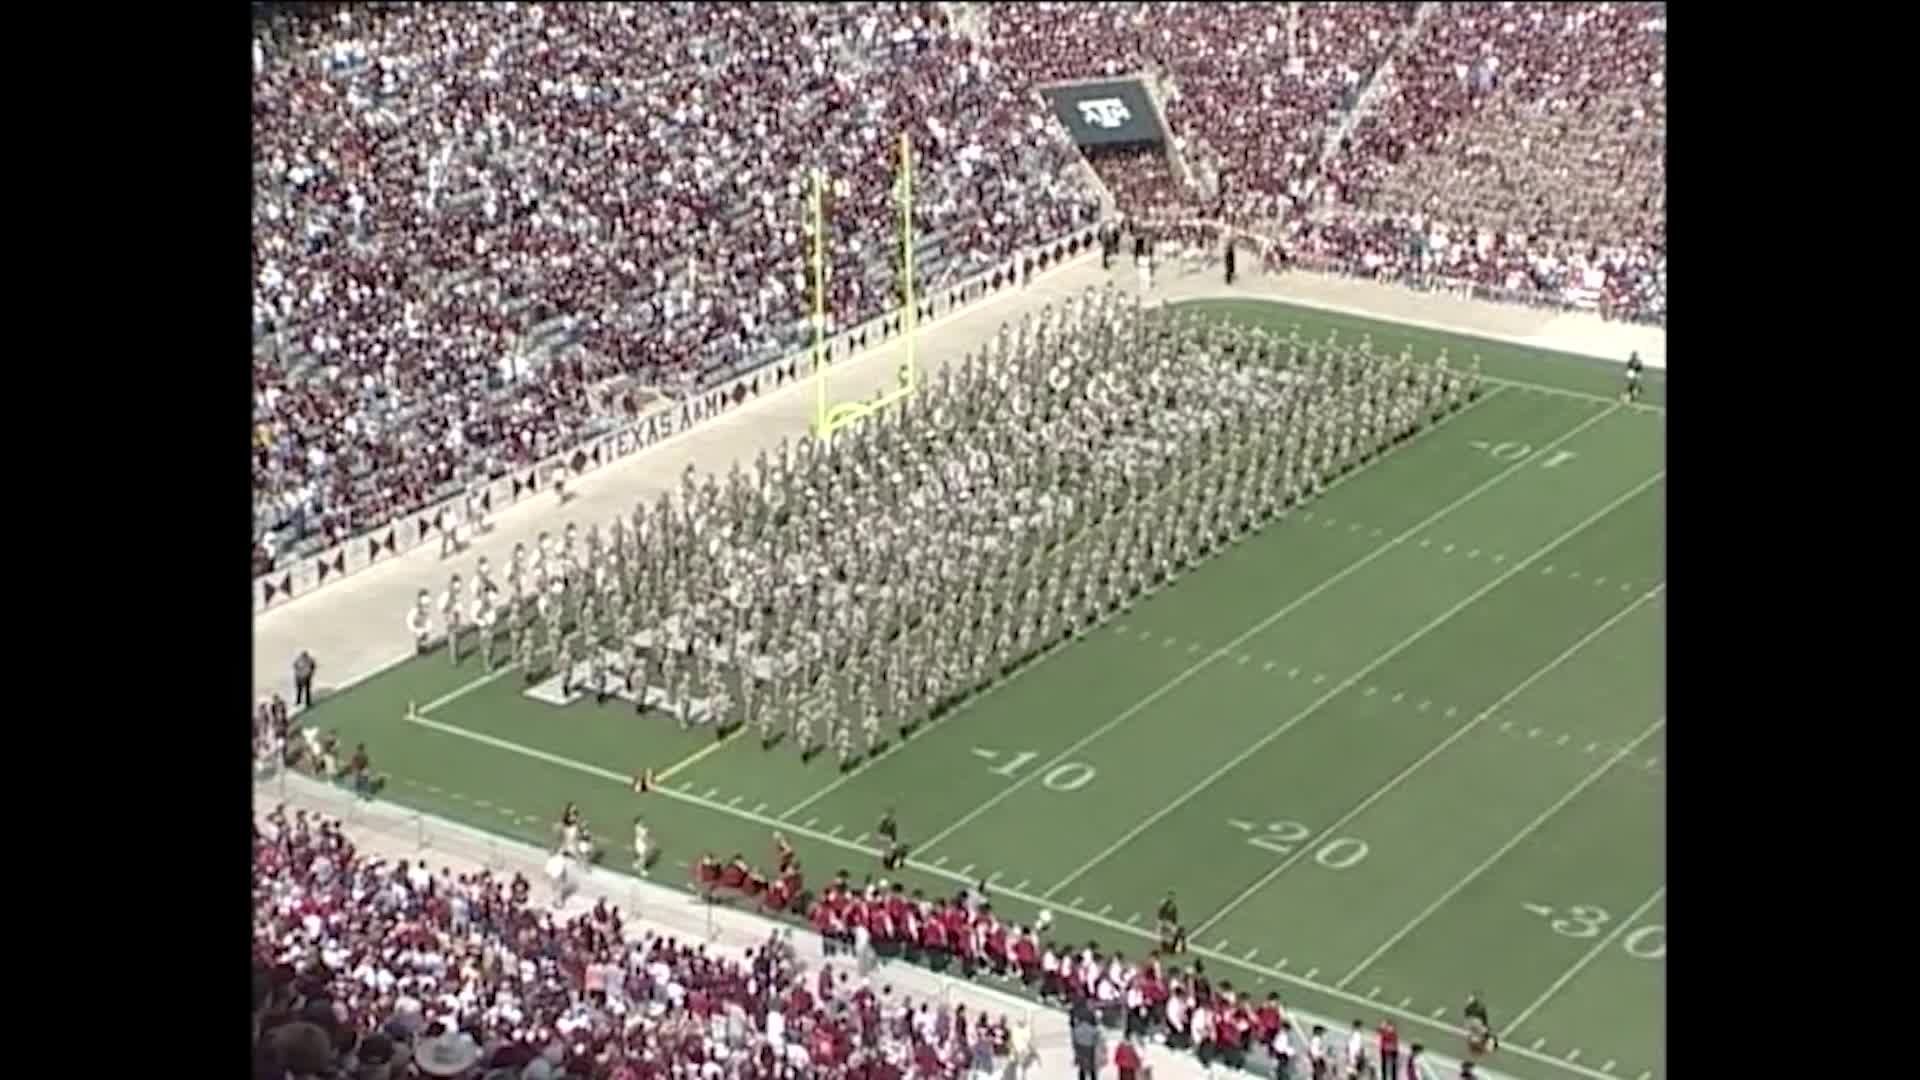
(1329, 523)
(1373, 993)
(1075, 906)
(1376, 531)
(508, 814)
(1562, 740)
(1371, 690)
(1424, 542)
(1353, 527)
(994, 878)
(1474, 554)
(1022, 887)
(1448, 550)
(1106, 908)
(1133, 918)
(1193, 646)
(1573, 1055)
(433, 788)
(1222, 947)
(483, 803)
(1168, 644)
(1538, 1043)
(1146, 634)
(1311, 972)
(760, 808)
(736, 800)
(685, 785)
(1600, 580)
(1453, 711)
(1120, 627)
(810, 822)
(1281, 966)
(1574, 575)
(1547, 570)
(1652, 761)
(835, 831)
(1498, 557)
(1243, 826)
(457, 797)
(1319, 677)
(711, 792)
(1424, 705)
(861, 839)
(1533, 733)
(1268, 666)
(1306, 515)
(1438, 1013)
(1626, 587)
(1506, 725)
(1608, 1067)
(939, 862)
(1398, 696)
(1404, 1002)
(1244, 658)
(1251, 953)
(1293, 674)
(1592, 746)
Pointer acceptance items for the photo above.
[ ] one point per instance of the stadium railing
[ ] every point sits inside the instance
(720, 390)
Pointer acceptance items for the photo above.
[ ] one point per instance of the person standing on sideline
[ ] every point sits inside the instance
(1634, 367)
(1229, 259)
(1389, 1050)
(1085, 1032)
(303, 666)
(1127, 1060)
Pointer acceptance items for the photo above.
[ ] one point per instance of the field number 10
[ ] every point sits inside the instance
(1286, 837)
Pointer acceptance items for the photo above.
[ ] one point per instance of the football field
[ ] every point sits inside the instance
(1405, 743)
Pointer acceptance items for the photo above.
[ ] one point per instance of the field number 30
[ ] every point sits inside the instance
(1647, 942)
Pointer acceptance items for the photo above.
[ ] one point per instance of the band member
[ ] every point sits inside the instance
(641, 847)
(1229, 260)
(420, 621)
(485, 616)
(1634, 367)
(1173, 938)
(450, 616)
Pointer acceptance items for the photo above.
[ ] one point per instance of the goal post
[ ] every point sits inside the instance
(830, 416)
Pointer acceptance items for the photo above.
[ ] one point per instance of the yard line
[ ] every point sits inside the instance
(1518, 838)
(1578, 395)
(1458, 734)
(452, 696)
(1146, 634)
(1580, 965)
(1347, 683)
(1201, 664)
(934, 870)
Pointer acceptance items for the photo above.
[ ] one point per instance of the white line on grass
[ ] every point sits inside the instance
(1580, 965)
(1499, 853)
(1347, 683)
(452, 696)
(1247, 635)
(1419, 763)
(1017, 894)
(1146, 634)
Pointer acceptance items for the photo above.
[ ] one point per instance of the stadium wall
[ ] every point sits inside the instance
(313, 572)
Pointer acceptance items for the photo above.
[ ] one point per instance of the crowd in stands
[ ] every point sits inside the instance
(475, 225)
(467, 217)
(370, 969)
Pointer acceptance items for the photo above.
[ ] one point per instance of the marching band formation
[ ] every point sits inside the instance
(842, 591)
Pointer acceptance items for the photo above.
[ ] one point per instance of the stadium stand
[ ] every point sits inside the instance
(371, 968)
(479, 230)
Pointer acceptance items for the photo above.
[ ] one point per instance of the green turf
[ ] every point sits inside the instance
(1296, 737)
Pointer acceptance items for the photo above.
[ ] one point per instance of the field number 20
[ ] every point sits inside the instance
(1285, 837)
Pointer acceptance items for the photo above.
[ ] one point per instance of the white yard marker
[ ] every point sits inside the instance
(1319, 677)
(1244, 658)
(1221, 946)
(1311, 972)
(1281, 966)
(1022, 887)
(1373, 993)
(1591, 747)
(862, 838)
(836, 830)
(1562, 740)
(966, 871)
(1075, 905)
(1453, 710)
(1548, 570)
(811, 822)
(1405, 1002)
(941, 861)
(1506, 725)
(1448, 550)
(759, 808)
(736, 800)
(1533, 733)
(1600, 581)
(1251, 953)
(1377, 662)
(711, 792)
(1168, 643)
(1499, 853)
(1424, 705)
(994, 878)
(1104, 908)
(1370, 691)
(1399, 696)
(1133, 918)
(1293, 673)
(1573, 1054)
(1608, 1067)
(1424, 542)
(1353, 526)
(1538, 1043)
(1574, 574)
(1268, 666)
